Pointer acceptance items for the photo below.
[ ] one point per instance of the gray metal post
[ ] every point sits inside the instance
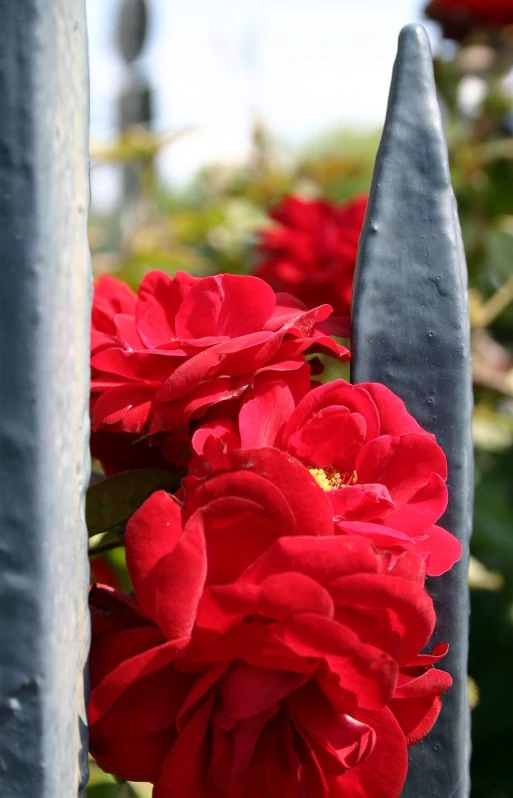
(135, 101)
(411, 332)
(44, 366)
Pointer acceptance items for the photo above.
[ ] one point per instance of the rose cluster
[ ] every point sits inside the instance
(275, 641)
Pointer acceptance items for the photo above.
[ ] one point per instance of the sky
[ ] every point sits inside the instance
(304, 66)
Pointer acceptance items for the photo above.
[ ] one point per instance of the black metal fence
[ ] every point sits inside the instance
(410, 332)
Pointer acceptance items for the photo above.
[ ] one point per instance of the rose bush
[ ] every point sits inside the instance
(310, 252)
(384, 475)
(262, 653)
(183, 345)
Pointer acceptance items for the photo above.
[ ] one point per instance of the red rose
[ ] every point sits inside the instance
(416, 703)
(384, 475)
(311, 253)
(262, 653)
(102, 571)
(458, 17)
(185, 344)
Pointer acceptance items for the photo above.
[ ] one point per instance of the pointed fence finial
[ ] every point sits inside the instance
(411, 332)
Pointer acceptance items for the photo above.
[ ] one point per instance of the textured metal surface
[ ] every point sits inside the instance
(410, 331)
(44, 317)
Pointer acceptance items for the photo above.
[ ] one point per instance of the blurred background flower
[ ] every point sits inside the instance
(460, 17)
(309, 250)
(207, 116)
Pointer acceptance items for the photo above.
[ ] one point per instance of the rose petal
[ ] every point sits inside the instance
(393, 416)
(441, 548)
(340, 394)
(225, 304)
(161, 553)
(159, 300)
(383, 773)
(133, 758)
(264, 413)
(329, 437)
(183, 771)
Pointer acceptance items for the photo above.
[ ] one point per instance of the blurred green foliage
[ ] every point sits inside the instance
(210, 227)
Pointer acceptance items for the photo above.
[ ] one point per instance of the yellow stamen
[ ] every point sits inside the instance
(331, 479)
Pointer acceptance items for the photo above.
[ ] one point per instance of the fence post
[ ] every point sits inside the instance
(44, 367)
(136, 97)
(411, 332)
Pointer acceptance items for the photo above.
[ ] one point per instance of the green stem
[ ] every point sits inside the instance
(101, 548)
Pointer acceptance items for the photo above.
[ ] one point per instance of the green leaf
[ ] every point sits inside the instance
(119, 790)
(103, 791)
(98, 777)
(140, 790)
(109, 504)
